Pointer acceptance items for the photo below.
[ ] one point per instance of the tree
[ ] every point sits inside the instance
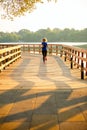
(14, 8)
(25, 35)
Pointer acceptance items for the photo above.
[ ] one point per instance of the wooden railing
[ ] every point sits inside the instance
(8, 54)
(36, 48)
(76, 56)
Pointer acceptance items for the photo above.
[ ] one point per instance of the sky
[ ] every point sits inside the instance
(63, 14)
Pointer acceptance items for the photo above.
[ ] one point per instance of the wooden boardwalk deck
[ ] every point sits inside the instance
(29, 72)
(37, 96)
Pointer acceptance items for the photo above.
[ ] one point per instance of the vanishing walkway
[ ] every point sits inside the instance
(37, 96)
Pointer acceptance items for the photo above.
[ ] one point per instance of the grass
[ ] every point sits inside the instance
(82, 46)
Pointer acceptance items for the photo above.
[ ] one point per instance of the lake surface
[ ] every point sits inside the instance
(65, 43)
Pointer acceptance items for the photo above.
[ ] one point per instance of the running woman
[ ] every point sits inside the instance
(44, 49)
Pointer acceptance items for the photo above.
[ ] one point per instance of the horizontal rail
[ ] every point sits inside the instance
(8, 55)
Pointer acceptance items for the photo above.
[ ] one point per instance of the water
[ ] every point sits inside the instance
(73, 43)
(65, 43)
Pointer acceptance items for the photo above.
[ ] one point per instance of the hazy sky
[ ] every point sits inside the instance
(63, 14)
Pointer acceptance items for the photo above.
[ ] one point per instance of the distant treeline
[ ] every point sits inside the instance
(55, 35)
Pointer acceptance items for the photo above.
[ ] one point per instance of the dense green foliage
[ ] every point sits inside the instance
(55, 35)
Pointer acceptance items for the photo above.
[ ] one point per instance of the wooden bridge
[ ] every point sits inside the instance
(37, 96)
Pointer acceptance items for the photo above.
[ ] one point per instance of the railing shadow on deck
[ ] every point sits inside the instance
(54, 105)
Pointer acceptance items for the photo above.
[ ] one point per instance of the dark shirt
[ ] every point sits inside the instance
(44, 46)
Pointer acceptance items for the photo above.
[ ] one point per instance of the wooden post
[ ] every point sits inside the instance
(86, 64)
(61, 52)
(75, 57)
(23, 48)
(28, 48)
(39, 48)
(34, 48)
(82, 70)
(70, 55)
(56, 49)
(71, 62)
(65, 57)
(4, 61)
(78, 59)
(0, 62)
(51, 49)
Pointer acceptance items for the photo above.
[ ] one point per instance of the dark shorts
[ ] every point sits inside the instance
(44, 53)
